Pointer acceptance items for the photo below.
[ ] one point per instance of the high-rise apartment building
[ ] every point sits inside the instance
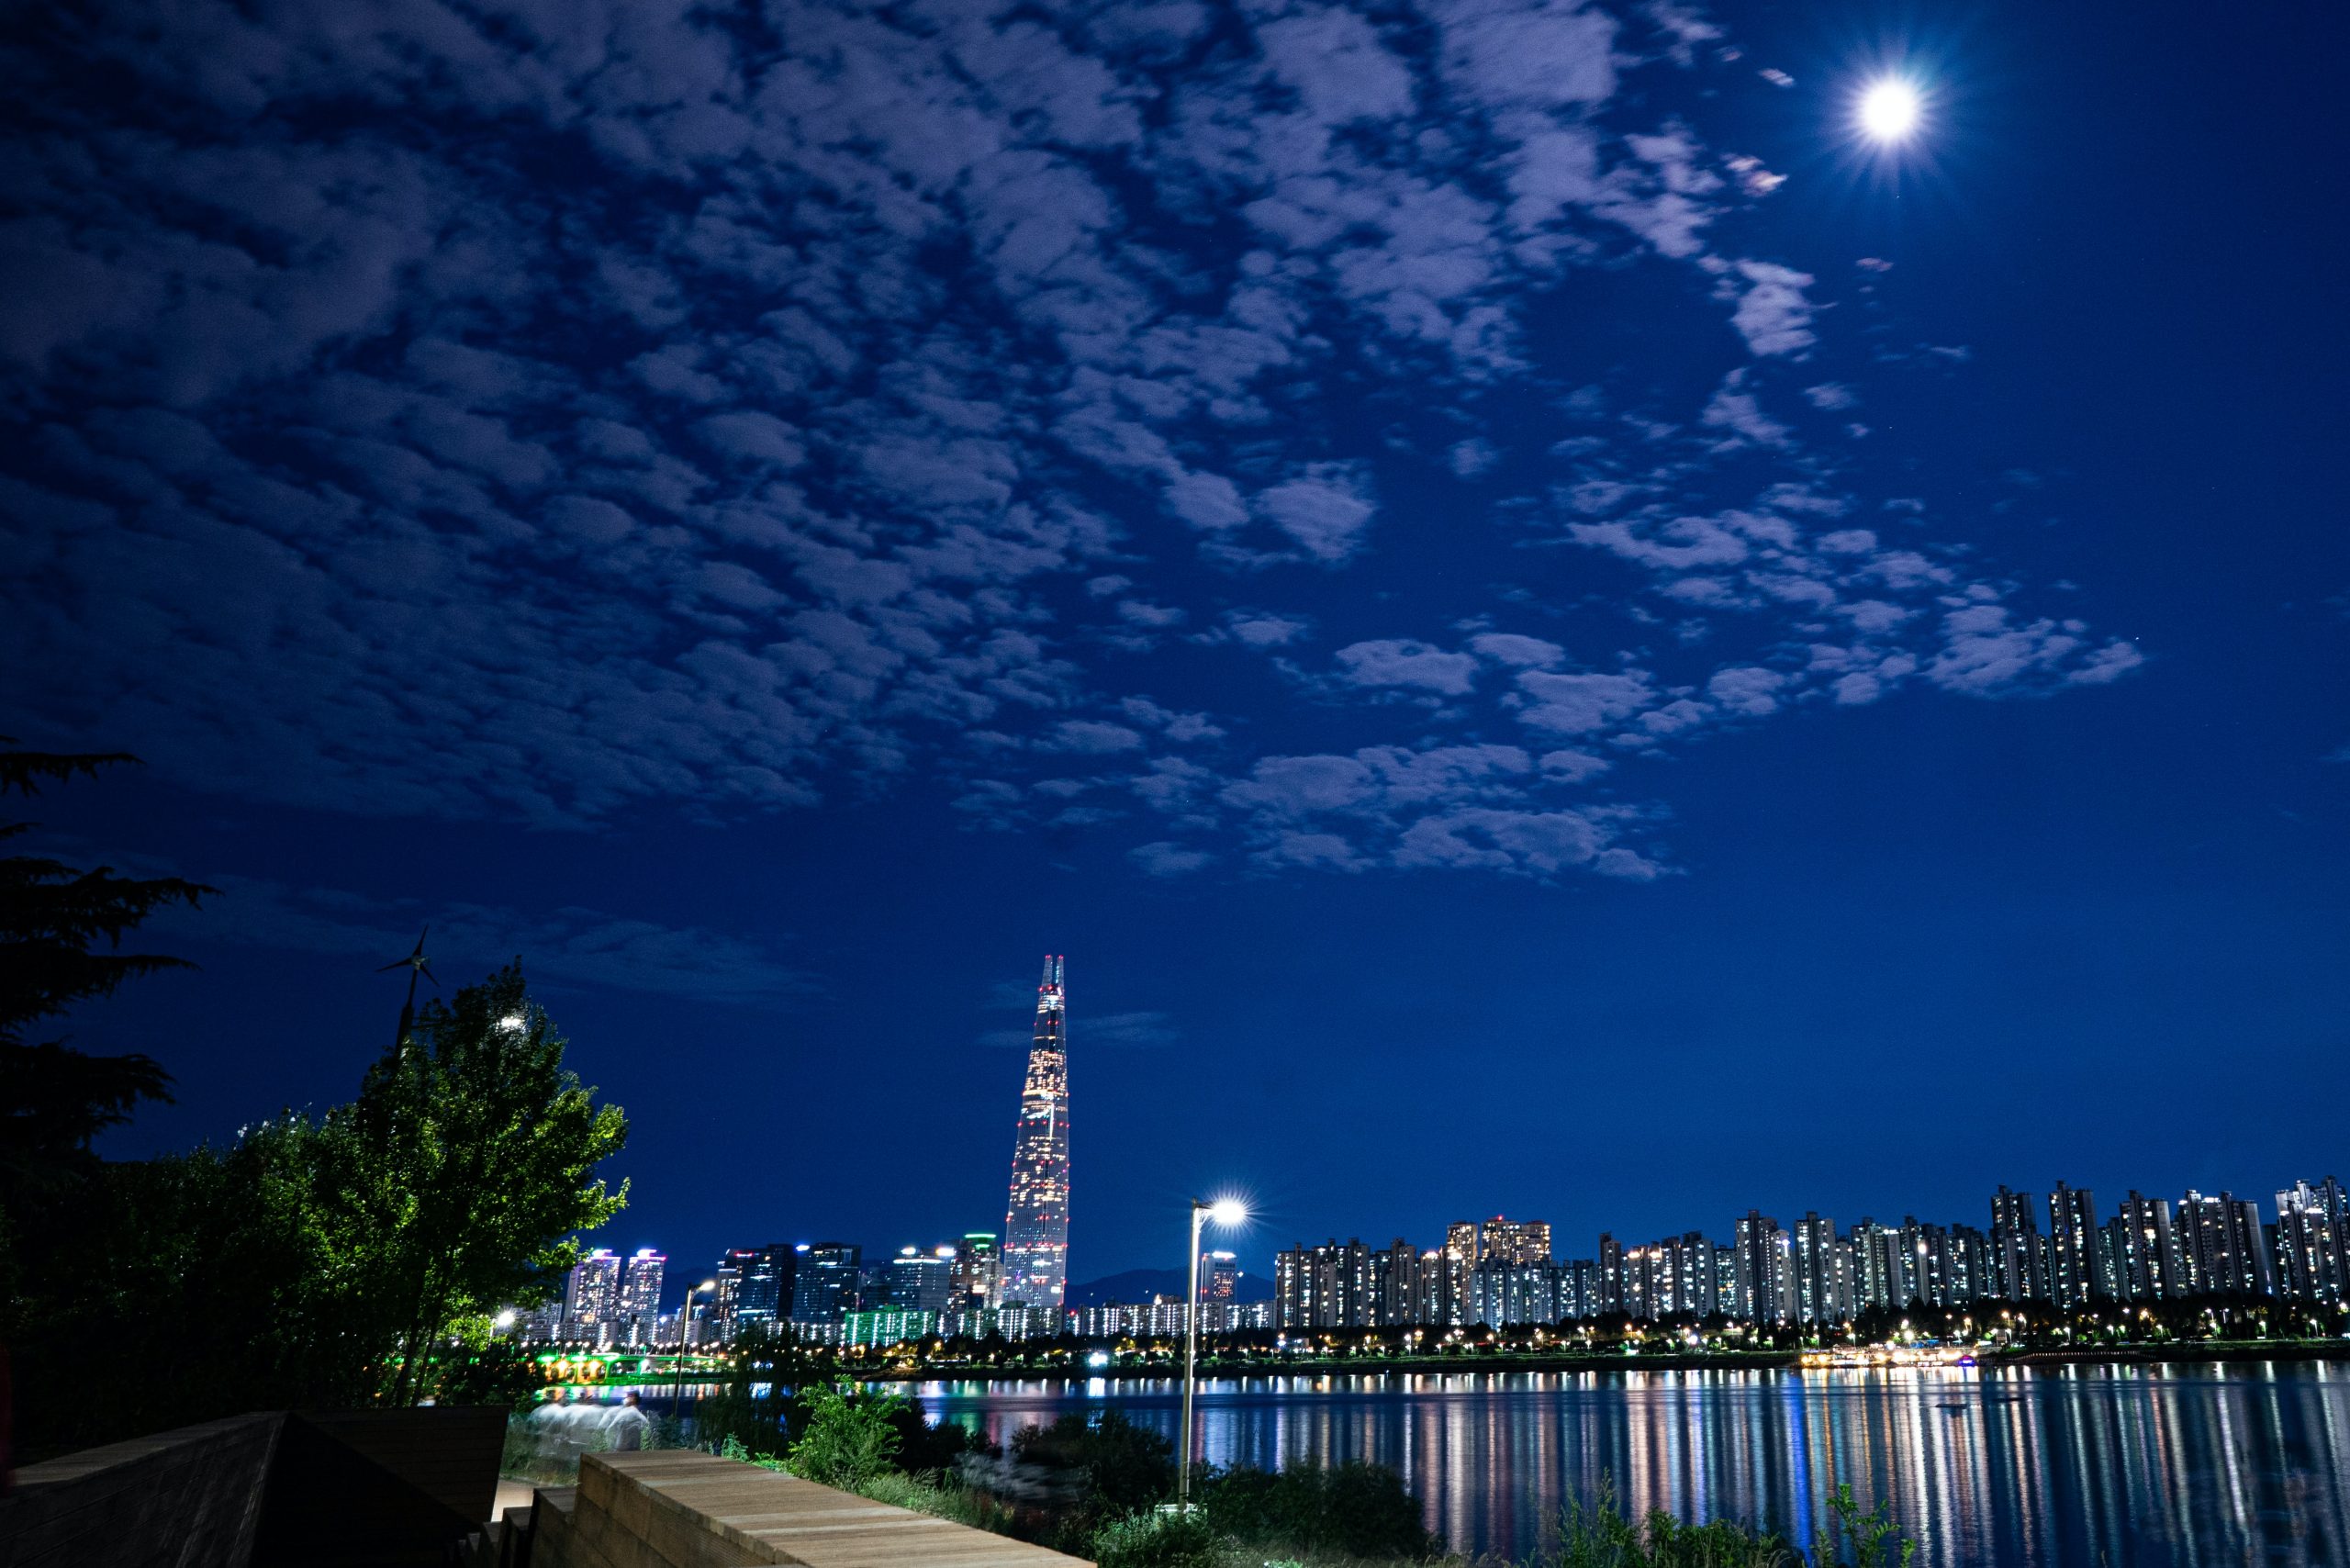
(1514, 1241)
(1967, 1270)
(1611, 1273)
(1219, 1277)
(1868, 1257)
(1765, 1269)
(1395, 1284)
(2019, 1258)
(2221, 1248)
(1821, 1285)
(2313, 1241)
(2148, 1265)
(2073, 1280)
(1459, 1260)
(591, 1298)
(824, 1280)
(641, 1281)
(1329, 1286)
(1035, 1227)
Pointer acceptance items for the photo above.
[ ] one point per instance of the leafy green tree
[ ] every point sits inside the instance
(456, 1182)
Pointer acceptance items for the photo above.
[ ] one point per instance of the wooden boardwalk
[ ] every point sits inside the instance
(676, 1508)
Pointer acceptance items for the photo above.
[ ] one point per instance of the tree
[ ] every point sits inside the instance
(454, 1184)
(55, 1100)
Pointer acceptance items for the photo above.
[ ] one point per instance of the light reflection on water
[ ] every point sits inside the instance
(2178, 1466)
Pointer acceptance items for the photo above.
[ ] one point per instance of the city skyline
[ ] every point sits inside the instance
(2056, 1243)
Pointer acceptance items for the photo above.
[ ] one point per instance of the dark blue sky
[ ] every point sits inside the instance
(1548, 630)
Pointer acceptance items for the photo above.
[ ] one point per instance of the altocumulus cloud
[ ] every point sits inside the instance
(547, 412)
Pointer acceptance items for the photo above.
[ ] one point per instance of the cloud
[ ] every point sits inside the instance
(554, 415)
(1167, 858)
(1325, 510)
(1773, 314)
(566, 946)
(1511, 648)
(1090, 736)
(1405, 662)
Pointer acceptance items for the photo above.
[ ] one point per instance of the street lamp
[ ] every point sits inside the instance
(685, 1318)
(1228, 1213)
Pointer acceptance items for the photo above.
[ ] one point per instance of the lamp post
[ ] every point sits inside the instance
(685, 1320)
(1227, 1212)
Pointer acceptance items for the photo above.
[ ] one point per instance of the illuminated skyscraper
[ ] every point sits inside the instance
(1035, 1230)
(978, 1271)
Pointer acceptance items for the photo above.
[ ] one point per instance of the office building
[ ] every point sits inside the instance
(824, 1281)
(921, 1281)
(978, 1274)
(1036, 1227)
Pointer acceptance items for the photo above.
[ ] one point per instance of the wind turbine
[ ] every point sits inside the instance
(416, 964)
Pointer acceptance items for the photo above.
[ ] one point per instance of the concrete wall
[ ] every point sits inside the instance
(381, 1488)
(190, 1498)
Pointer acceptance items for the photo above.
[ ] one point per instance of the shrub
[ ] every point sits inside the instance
(1157, 1540)
(933, 1495)
(1125, 1468)
(1599, 1535)
(1354, 1509)
(848, 1439)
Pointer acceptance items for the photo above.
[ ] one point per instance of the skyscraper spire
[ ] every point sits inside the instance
(1036, 1231)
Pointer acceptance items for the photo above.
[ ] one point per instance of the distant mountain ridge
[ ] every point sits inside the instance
(1141, 1285)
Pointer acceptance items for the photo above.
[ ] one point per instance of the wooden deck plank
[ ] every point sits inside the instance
(680, 1509)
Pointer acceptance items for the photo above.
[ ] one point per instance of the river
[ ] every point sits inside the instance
(2095, 1466)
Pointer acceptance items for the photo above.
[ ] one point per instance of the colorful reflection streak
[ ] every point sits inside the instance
(2179, 1466)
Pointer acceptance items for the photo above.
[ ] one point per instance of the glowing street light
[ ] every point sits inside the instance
(685, 1320)
(1228, 1214)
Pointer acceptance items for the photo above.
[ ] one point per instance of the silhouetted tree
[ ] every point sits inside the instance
(54, 1100)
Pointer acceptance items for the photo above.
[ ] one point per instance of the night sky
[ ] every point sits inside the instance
(1550, 628)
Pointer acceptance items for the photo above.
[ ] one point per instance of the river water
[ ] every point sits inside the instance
(2126, 1466)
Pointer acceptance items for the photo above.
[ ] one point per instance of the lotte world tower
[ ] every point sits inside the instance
(1036, 1231)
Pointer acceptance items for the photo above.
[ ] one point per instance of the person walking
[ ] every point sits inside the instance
(629, 1425)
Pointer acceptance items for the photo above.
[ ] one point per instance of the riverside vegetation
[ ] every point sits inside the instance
(329, 1257)
(1091, 1485)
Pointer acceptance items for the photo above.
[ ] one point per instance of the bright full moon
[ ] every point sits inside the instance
(1889, 110)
